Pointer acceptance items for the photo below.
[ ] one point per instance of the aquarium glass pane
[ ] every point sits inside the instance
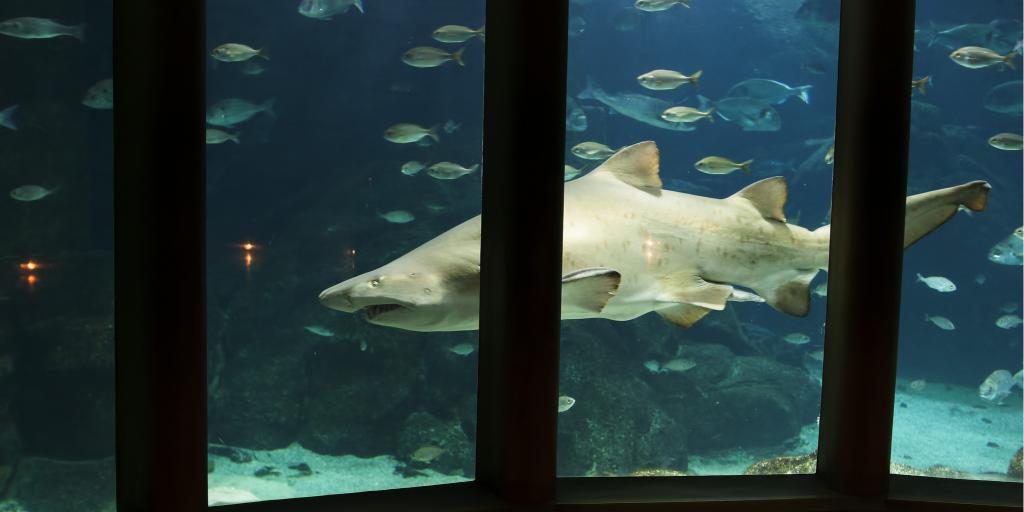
(958, 400)
(693, 313)
(341, 135)
(56, 256)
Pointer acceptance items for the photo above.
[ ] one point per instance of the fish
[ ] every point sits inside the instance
(397, 216)
(1009, 307)
(817, 355)
(830, 155)
(449, 170)
(678, 365)
(253, 68)
(684, 114)
(426, 454)
(796, 338)
(1010, 251)
(666, 79)
(229, 112)
(405, 133)
(427, 57)
(565, 403)
(652, 366)
(997, 386)
(7, 117)
(40, 28)
(940, 321)
(592, 151)
(1008, 321)
(721, 165)
(769, 91)
(462, 349)
(100, 95)
(1006, 141)
(327, 9)
(918, 384)
(979, 279)
(571, 172)
(29, 193)
(631, 247)
(237, 52)
(753, 115)
(921, 84)
(412, 167)
(215, 136)
(451, 126)
(575, 117)
(976, 57)
(1005, 98)
(659, 5)
(319, 330)
(457, 34)
(937, 283)
(638, 107)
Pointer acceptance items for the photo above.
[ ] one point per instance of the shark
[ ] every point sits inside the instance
(630, 248)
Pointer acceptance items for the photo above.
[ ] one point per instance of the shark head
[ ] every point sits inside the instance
(435, 287)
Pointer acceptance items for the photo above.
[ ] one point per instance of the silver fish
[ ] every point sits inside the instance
(1010, 251)
(29, 193)
(751, 114)
(40, 28)
(327, 9)
(996, 387)
(100, 96)
(1005, 98)
(227, 113)
(768, 91)
(642, 108)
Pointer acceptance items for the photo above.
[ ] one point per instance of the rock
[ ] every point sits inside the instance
(1015, 465)
(936, 471)
(227, 495)
(61, 486)
(421, 430)
(799, 465)
(657, 472)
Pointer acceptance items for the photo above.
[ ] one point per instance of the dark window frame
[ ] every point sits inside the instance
(160, 284)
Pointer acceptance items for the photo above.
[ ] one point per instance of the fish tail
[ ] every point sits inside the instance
(359, 5)
(7, 118)
(474, 167)
(480, 34)
(264, 52)
(1008, 60)
(710, 114)
(78, 32)
(924, 81)
(804, 94)
(685, 3)
(457, 56)
(920, 278)
(695, 78)
(268, 107)
(705, 104)
(237, 138)
(432, 133)
(745, 166)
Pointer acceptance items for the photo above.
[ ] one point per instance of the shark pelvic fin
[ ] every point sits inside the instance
(692, 289)
(792, 296)
(683, 315)
(635, 165)
(767, 196)
(589, 290)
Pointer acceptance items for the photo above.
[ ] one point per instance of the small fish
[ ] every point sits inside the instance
(571, 172)
(449, 170)
(215, 136)
(986, 421)
(1010, 251)
(990, 444)
(462, 349)
(404, 133)
(426, 454)
(903, 405)
(996, 387)
(659, 5)
(28, 193)
(666, 79)
(363, 345)
(592, 151)
(1006, 141)
(565, 403)
(7, 117)
(830, 155)
(253, 67)
(319, 330)
(979, 279)
(918, 385)
(937, 283)
(457, 34)
(237, 52)
(40, 28)
(412, 167)
(1009, 321)
(451, 126)
(229, 112)
(769, 91)
(397, 216)
(687, 115)
(821, 290)
(721, 165)
(1009, 307)
(100, 96)
(427, 57)
(940, 321)
(817, 355)
(976, 57)
(652, 366)
(796, 338)
(921, 84)
(678, 365)
(326, 9)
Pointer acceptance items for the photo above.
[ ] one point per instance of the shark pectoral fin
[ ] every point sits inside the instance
(692, 289)
(683, 315)
(792, 297)
(767, 196)
(636, 165)
(927, 211)
(589, 290)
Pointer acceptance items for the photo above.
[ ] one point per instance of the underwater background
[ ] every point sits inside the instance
(304, 400)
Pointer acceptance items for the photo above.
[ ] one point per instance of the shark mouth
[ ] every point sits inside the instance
(371, 312)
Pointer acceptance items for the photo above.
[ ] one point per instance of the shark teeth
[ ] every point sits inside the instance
(378, 309)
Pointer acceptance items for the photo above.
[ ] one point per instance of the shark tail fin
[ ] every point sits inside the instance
(804, 94)
(929, 210)
(588, 92)
(457, 56)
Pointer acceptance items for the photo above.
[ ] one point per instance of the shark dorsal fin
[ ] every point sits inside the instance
(767, 196)
(635, 165)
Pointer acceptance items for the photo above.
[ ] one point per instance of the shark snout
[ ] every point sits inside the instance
(339, 297)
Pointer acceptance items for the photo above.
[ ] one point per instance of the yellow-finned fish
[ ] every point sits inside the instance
(1006, 141)
(427, 57)
(687, 115)
(666, 79)
(976, 57)
(457, 34)
(237, 52)
(721, 165)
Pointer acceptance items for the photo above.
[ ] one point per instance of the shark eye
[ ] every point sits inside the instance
(374, 283)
